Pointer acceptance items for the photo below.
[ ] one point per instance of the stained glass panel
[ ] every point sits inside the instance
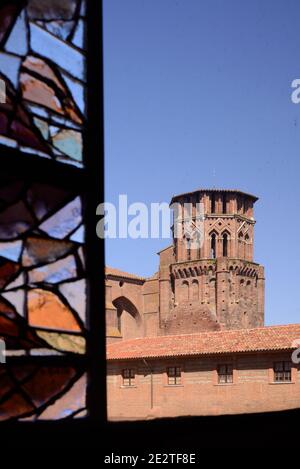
(42, 266)
(42, 63)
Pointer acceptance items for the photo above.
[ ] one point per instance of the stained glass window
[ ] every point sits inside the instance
(42, 233)
(42, 64)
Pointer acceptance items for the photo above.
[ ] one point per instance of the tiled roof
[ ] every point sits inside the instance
(236, 191)
(207, 343)
(120, 273)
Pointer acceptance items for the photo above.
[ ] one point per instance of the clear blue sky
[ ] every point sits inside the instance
(197, 94)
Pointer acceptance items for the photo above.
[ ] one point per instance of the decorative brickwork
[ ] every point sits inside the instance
(216, 286)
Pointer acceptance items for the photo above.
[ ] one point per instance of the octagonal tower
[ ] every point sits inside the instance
(214, 284)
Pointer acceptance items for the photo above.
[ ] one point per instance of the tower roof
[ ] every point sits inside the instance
(232, 191)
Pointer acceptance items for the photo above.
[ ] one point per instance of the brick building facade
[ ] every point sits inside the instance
(222, 372)
(206, 290)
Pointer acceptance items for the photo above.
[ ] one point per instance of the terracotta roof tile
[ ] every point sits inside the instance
(120, 273)
(207, 343)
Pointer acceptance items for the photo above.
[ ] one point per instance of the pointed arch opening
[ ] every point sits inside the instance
(129, 319)
(213, 245)
(225, 243)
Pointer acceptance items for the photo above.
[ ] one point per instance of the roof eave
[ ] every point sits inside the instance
(232, 191)
(202, 354)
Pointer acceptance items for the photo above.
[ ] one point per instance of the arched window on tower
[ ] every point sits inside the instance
(225, 245)
(241, 247)
(247, 246)
(213, 245)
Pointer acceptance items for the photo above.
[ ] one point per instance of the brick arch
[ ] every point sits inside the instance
(226, 242)
(214, 231)
(129, 318)
(184, 292)
(124, 304)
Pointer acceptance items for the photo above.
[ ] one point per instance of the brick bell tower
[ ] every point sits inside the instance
(214, 284)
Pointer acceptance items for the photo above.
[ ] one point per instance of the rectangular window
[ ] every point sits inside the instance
(282, 372)
(174, 375)
(128, 377)
(225, 374)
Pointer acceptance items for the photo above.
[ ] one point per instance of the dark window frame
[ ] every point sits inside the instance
(174, 374)
(213, 245)
(225, 373)
(225, 245)
(128, 377)
(282, 371)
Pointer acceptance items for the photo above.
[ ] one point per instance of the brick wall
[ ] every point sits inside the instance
(192, 292)
(199, 393)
